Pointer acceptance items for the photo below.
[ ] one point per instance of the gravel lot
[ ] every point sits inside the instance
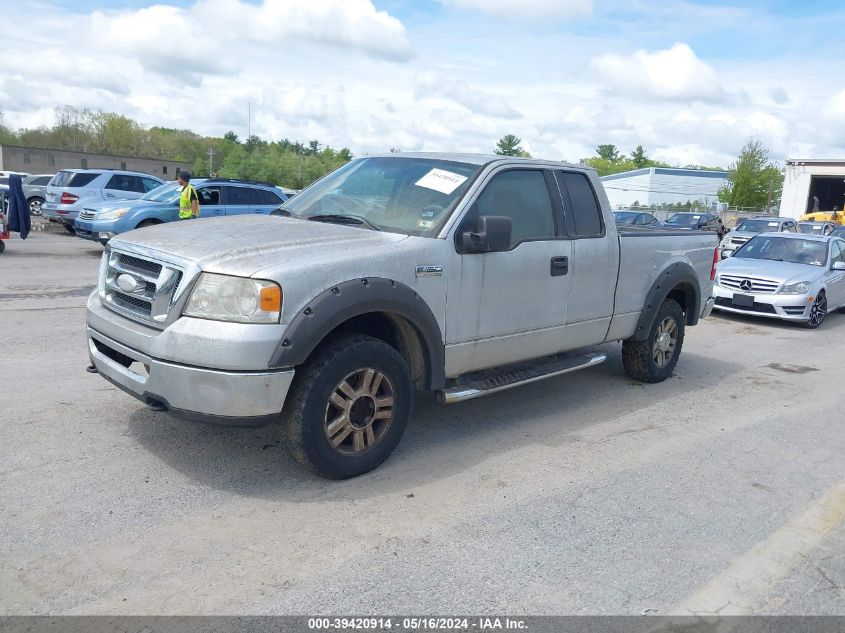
(722, 489)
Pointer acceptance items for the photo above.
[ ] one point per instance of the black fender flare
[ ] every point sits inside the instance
(353, 298)
(677, 274)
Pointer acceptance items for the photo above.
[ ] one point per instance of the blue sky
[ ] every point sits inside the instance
(689, 79)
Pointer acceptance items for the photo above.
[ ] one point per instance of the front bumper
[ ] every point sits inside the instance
(234, 398)
(773, 306)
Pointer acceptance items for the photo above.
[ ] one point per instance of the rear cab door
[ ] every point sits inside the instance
(594, 264)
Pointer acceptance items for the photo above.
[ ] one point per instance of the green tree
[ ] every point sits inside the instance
(508, 145)
(609, 153)
(638, 157)
(753, 181)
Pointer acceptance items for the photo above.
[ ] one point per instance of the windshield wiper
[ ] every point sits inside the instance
(345, 219)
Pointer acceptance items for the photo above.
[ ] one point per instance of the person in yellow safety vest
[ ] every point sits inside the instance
(189, 202)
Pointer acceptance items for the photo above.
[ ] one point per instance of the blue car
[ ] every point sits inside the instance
(218, 196)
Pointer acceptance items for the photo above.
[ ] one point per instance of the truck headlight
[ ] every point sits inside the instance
(800, 288)
(238, 299)
(112, 215)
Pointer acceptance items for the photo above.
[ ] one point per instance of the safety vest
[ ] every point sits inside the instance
(185, 211)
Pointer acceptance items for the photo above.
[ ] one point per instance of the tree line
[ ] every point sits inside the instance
(752, 181)
(285, 163)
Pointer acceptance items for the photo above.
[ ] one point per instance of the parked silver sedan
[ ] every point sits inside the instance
(794, 277)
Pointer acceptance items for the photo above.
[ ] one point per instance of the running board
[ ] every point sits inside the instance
(494, 380)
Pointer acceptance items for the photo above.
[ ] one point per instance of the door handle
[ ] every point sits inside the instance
(559, 266)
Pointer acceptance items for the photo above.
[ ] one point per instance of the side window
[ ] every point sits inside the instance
(267, 197)
(121, 182)
(209, 196)
(836, 253)
(792, 228)
(522, 196)
(149, 184)
(238, 195)
(41, 181)
(584, 208)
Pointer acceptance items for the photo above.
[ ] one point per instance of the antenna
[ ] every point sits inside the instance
(249, 138)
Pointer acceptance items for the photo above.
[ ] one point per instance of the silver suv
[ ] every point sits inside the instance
(35, 190)
(71, 189)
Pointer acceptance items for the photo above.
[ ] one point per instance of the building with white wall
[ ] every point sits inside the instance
(812, 184)
(663, 186)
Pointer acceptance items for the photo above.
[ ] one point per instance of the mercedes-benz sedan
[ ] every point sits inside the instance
(787, 276)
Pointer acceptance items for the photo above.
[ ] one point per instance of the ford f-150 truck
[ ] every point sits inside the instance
(459, 274)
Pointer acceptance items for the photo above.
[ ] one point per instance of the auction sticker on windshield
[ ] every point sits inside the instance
(441, 180)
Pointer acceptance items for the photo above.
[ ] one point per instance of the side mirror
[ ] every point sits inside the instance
(493, 233)
(838, 266)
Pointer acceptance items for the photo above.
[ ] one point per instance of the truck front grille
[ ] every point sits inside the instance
(758, 286)
(739, 241)
(139, 287)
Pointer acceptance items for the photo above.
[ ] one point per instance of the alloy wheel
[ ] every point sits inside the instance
(818, 310)
(665, 341)
(359, 411)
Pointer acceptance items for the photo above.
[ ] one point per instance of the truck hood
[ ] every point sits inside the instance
(244, 245)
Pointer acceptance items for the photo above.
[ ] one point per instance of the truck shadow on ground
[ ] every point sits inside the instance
(439, 441)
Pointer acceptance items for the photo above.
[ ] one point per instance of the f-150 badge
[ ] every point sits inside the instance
(429, 271)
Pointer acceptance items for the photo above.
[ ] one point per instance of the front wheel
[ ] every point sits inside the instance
(348, 406)
(818, 311)
(654, 359)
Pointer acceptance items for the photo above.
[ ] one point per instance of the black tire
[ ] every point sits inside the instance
(2, 246)
(147, 223)
(818, 312)
(34, 204)
(311, 406)
(69, 229)
(646, 360)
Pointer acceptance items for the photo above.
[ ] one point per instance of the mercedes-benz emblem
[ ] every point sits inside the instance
(127, 283)
(745, 285)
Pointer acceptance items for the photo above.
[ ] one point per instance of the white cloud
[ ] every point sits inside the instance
(431, 84)
(674, 73)
(526, 9)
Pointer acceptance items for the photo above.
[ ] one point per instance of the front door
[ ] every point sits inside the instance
(511, 305)
(836, 278)
(210, 203)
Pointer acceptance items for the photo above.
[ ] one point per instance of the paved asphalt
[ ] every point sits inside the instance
(587, 494)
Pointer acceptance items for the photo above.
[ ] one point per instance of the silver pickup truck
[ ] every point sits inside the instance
(458, 274)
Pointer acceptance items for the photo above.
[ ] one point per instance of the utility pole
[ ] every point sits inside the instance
(769, 199)
(211, 161)
(248, 139)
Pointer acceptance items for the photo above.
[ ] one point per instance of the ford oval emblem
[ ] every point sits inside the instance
(127, 283)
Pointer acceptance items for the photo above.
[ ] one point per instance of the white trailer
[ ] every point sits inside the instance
(812, 185)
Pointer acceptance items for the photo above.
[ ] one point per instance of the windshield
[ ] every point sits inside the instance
(404, 195)
(624, 217)
(168, 192)
(759, 226)
(782, 249)
(684, 219)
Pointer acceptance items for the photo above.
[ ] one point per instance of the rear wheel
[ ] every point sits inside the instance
(654, 359)
(348, 407)
(147, 223)
(818, 311)
(35, 206)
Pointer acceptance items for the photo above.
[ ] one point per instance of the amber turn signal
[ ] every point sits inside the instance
(271, 299)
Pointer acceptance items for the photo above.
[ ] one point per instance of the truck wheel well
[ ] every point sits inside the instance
(684, 294)
(393, 330)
